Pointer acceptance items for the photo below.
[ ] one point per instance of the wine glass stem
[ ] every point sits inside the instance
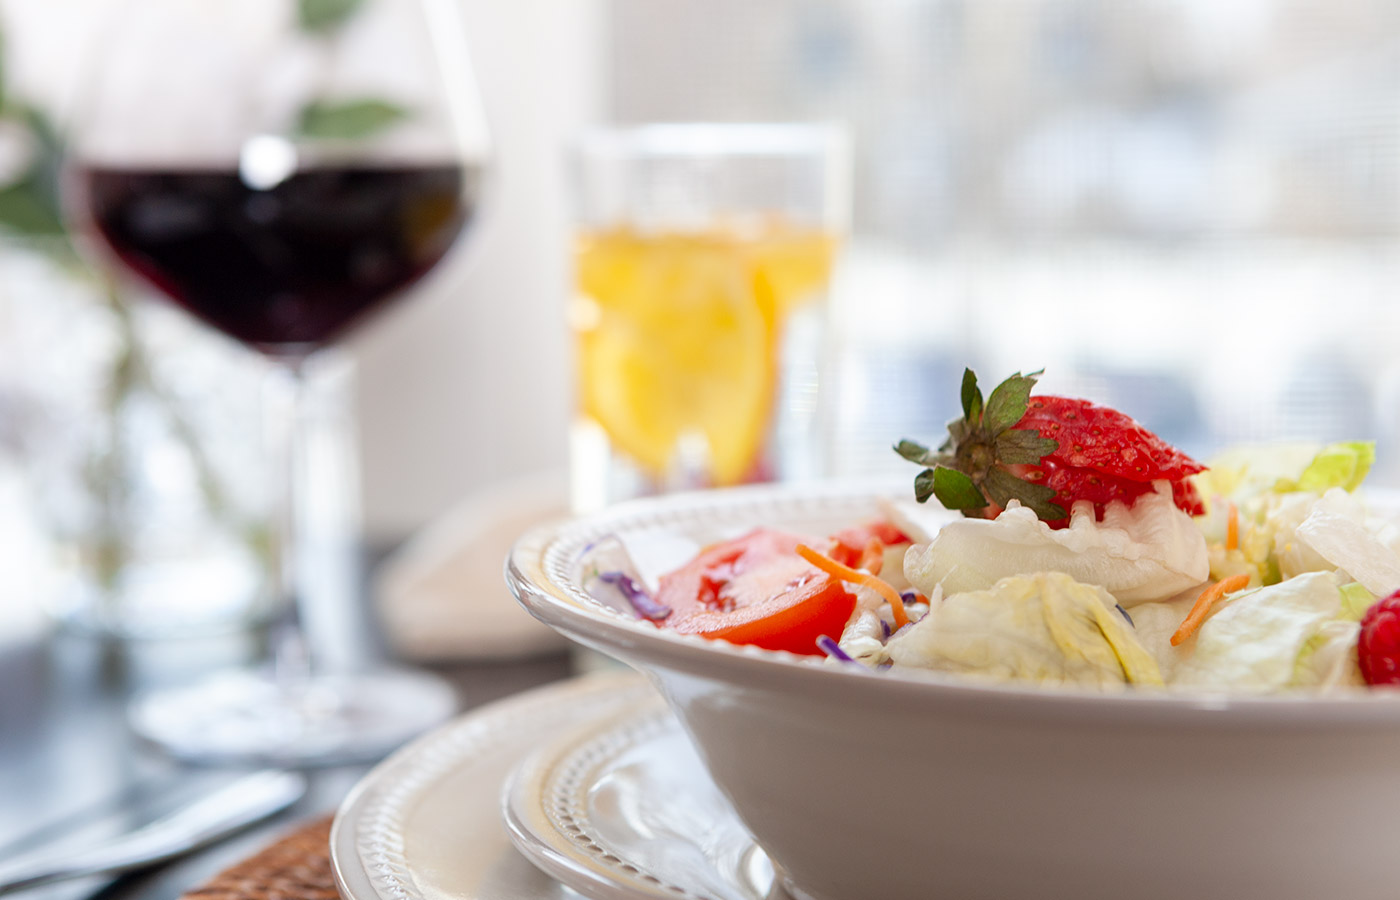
(317, 559)
(285, 398)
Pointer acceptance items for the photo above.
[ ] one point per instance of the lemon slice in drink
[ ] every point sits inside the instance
(791, 268)
(676, 344)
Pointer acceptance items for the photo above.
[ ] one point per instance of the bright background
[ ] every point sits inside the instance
(1186, 207)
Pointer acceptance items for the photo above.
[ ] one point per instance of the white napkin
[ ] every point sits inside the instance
(443, 596)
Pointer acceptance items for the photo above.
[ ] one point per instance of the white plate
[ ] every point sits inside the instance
(624, 810)
(426, 823)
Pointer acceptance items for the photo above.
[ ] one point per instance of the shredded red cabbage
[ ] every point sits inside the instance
(641, 601)
(833, 649)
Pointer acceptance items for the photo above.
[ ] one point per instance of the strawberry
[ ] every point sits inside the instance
(1187, 498)
(1105, 440)
(1378, 645)
(1047, 452)
(1082, 484)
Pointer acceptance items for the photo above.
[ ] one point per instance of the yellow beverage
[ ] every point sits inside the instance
(678, 335)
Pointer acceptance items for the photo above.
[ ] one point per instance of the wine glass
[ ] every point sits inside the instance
(279, 169)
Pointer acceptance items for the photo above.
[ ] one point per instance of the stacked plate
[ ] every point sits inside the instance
(587, 786)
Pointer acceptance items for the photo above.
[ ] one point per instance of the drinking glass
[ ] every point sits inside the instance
(279, 169)
(703, 257)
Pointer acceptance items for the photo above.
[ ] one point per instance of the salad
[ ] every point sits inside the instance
(1088, 552)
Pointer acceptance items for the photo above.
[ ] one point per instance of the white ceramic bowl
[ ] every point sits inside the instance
(872, 785)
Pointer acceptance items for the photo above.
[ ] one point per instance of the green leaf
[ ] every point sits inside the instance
(971, 396)
(960, 431)
(1023, 446)
(318, 16)
(1005, 487)
(955, 490)
(29, 206)
(350, 120)
(1008, 402)
(915, 452)
(27, 209)
(923, 485)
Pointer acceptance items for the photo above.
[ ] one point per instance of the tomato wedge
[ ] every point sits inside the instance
(756, 590)
(863, 546)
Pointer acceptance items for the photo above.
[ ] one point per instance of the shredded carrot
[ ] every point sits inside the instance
(855, 576)
(1203, 603)
(1232, 528)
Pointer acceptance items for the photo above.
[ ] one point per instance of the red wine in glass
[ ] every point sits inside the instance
(286, 268)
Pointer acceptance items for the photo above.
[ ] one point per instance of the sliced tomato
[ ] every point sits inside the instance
(756, 590)
(863, 546)
(886, 531)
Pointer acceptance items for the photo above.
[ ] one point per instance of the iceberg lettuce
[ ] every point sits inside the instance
(1246, 472)
(1253, 642)
(1324, 631)
(1356, 600)
(1343, 465)
(1045, 628)
(1275, 490)
(1328, 659)
(1155, 623)
(1336, 531)
(1148, 551)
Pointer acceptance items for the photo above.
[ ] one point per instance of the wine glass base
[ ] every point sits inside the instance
(250, 718)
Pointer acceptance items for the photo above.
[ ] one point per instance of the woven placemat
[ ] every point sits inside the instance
(298, 867)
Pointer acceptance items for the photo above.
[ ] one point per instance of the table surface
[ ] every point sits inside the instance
(70, 770)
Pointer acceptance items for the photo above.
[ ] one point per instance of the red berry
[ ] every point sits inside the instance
(1073, 483)
(1378, 647)
(1105, 440)
(1104, 455)
(1187, 498)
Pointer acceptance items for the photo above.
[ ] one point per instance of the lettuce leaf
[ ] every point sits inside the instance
(1045, 628)
(1246, 472)
(1356, 600)
(1328, 659)
(1155, 623)
(1275, 489)
(1343, 465)
(1148, 551)
(1253, 643)
(1337, 532)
